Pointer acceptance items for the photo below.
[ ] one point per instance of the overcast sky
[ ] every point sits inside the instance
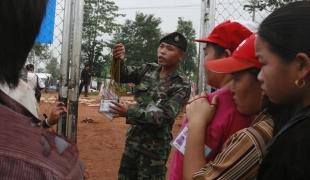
(167, 10)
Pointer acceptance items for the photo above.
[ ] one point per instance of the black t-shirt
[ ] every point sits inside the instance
(288, 156)
(85, 75)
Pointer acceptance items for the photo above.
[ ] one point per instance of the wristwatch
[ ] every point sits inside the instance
(45, 123)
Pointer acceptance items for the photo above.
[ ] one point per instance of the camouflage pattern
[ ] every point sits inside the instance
(158, 103)
(136, 165)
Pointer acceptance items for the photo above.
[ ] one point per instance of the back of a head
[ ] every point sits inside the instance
(30, 67)
(286, 30)
(20, 22)
(87, 65)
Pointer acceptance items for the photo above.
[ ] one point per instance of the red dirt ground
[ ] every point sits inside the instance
(100, 143)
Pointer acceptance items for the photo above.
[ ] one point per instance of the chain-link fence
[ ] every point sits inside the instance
(57, 52)
(48, 45)
(56, 46)
(217, 11)
(242, 10)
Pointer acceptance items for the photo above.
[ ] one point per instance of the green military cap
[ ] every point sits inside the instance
(176, 39)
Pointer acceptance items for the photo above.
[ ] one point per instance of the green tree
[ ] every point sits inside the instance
(99, 21)
(140, 38)
(40, 53)
(190, 62)
(52, 67)
(268, 5)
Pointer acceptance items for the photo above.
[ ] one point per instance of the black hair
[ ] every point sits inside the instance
(287, 30)
(254, 72)
(219, 50)
(280, 113)
(87, 64)
(20, 22)
(29, 67)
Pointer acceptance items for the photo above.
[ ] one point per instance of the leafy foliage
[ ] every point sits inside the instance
(190, 62)
(40, 53)
(53, 68)
(141, 39)
(268, 5)
(99, 21)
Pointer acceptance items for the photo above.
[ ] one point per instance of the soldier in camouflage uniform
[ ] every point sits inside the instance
(161, 91)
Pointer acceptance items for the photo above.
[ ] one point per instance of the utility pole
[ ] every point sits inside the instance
(203, 20)
(64, 66)
(73, 90)
(251, 7)
(207, 22)
(70, 67)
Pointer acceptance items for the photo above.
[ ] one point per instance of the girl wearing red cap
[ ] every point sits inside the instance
(240, 155)
(220, 43)
(283, 47)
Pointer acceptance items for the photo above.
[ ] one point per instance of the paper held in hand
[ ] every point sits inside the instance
(108, 96)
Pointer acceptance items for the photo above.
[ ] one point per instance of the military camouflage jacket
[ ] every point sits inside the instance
(158, 103)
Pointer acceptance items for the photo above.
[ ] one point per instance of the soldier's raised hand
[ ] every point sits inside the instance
(119, 52)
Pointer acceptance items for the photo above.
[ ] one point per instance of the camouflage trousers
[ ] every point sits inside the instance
(137, 165)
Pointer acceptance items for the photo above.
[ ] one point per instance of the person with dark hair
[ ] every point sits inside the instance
(240, 155)
(27, 151)
(283, 47)
(24, 92)
(220, 43)
(85, 80)
(160, 90)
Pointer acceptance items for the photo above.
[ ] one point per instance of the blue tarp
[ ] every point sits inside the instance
(47, 28)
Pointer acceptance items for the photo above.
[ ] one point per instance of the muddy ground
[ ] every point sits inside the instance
(100, 140)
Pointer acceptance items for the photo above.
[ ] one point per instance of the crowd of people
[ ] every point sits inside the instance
(254, 126)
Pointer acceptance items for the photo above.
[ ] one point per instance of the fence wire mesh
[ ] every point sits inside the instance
(240, 10)
(217, 11)
(58, 33)
(51, 47)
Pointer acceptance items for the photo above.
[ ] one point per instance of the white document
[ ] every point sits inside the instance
(180, 141)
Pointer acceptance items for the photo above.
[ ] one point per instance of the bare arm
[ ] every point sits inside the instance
(200, 112)
(241, 153)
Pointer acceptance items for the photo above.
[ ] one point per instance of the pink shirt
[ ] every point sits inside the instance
(227, 120)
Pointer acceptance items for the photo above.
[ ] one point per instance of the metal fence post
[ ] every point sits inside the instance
(70, 67)
(203, 27)
(73, 90)
(207, 21)
(64, 65)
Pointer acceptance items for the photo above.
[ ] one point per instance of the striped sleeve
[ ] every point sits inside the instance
(241, 153)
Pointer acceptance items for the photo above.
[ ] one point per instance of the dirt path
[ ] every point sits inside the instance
(101, 142)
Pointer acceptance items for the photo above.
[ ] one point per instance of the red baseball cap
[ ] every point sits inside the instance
(228, 34)
(243, 58)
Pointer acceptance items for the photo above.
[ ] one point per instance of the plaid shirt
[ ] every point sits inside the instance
(241, 154)
(31, 152)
